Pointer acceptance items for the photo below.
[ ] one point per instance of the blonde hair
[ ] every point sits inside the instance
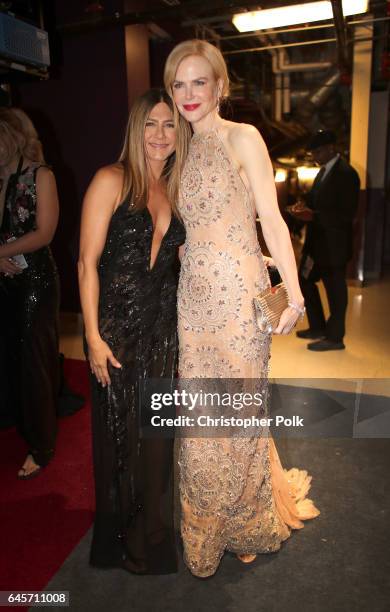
(19, 135)
(204, 49)
(133, 158)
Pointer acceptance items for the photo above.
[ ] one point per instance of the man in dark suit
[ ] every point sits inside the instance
(330, 209)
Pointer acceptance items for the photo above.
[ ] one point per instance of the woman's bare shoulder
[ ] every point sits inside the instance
(110, 175)
(242, 133)
(105, 188)
(244, 141)
(44, 173)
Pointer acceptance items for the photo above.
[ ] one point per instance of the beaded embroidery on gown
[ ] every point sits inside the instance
(29, 310)
(234, 493)
(133, 525)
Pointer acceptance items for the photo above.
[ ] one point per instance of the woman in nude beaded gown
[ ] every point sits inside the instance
(234, 492)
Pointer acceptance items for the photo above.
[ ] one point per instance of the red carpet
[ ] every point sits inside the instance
(43, 519)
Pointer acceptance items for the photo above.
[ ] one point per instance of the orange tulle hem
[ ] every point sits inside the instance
(290, 488)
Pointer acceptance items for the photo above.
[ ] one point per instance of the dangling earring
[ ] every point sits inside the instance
(218, 103)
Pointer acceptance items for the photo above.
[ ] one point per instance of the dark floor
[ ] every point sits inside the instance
(339, 561)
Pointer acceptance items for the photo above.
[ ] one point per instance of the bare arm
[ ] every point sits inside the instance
(251, 152)
(98, 207)
(46, 218)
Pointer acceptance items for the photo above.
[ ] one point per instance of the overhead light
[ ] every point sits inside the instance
(307, 173)
(294, 14)
(280, 175)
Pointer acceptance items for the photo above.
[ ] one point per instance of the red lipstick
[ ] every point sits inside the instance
(190, 107)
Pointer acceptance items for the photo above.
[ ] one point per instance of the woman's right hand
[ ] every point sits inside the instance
(99, 354)
(8, 267)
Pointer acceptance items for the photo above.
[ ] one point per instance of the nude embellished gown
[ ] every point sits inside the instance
(234, 492)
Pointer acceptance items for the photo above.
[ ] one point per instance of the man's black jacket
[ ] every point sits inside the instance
(334, 202)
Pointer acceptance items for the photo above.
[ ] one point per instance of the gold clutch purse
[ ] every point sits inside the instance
(269, 305)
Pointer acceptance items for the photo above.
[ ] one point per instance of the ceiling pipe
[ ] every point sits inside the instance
(302, 43)
(173, 12)
(296, 97)
(311, 102)
(277, 107)
(281, 68)
(317, 97)
(308, 104)
(286, 105)
(280, 58)
(294, 30)
(344, 59)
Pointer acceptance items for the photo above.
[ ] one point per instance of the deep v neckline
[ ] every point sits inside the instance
(150, 266)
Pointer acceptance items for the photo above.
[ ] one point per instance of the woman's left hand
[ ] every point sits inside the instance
(288, 320)
(8, 267)
(269, 262)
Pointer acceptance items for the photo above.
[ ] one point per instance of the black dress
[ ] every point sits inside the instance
(29, 325)
(133, 525)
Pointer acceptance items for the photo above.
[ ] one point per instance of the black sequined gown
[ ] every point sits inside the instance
(137, 318)
(29, 307)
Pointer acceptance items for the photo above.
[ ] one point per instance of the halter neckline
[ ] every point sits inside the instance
(197, 135)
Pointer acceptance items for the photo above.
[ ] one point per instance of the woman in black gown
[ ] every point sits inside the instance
(29, 288)
(128, 279)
